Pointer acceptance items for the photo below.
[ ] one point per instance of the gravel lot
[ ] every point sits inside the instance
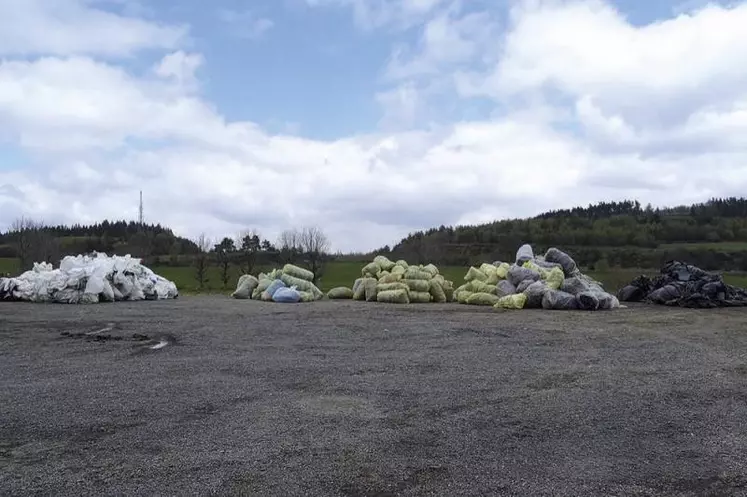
(356, 399)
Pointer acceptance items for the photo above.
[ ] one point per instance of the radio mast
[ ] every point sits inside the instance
(140, 218)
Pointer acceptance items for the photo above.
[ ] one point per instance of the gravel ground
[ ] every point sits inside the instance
(355, 399)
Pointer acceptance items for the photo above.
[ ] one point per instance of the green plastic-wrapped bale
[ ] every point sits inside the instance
(340, 293)
(482, 299)
(298, 272)
(393, 297)
(502, 270)
(555, 278)
(420, 297)
(402, 263)
(399, 270)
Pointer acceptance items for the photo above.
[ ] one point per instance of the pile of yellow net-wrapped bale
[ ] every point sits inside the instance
(397, 283)
(552, 281)
(287, 285)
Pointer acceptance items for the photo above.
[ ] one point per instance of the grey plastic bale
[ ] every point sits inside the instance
(559, 301)
(505, 287)
(517, 274)
(566, 262)
(524, 254)
(535, 293)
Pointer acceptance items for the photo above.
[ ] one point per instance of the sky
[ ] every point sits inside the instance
(369, 119)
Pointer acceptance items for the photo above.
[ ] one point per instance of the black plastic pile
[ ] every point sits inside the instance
(684, 285)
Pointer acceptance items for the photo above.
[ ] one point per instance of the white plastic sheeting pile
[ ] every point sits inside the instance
(85, 279)
(552, 282)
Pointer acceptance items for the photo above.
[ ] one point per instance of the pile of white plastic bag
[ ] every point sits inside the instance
(85, 279)
(291, 284)
(552, 282)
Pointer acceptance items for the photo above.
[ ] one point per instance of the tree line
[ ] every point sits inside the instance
(623, 234)
(32, 241)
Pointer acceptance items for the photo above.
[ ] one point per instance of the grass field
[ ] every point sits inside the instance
(720, 246)
(345, 273)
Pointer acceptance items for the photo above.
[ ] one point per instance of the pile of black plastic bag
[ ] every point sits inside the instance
(684, 285)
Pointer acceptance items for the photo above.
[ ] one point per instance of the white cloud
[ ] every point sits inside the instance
(571, 129)
(246, 24)
(373, 14)
(61, 27)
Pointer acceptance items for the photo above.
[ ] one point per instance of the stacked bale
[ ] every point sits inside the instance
(552, 281)
(264, 286)
(383, 280)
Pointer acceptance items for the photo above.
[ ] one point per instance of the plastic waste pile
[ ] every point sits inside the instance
(552, 282)
(88, 279)
(291, 284)
(684, 285)
(397, 283)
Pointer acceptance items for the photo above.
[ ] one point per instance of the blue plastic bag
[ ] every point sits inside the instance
(286, 295)
(274, 287)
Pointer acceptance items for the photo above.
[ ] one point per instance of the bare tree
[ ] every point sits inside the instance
(224, 252)
(315, 246)
(202, 260)
(33, 242)
(249, 244)
(289, 245)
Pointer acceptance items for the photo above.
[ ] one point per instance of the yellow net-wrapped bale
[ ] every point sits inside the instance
(420, 297)
(340, 293)
(477, 286)
(502, 270)
(448, 291)
(386, 287)
(389, 278)
(393, 297)
(370, 288)
(437, 291)
(244, 288)
(359, 288)
(482, 299)
(384, 263)
(301, 285)
(298, 272)
(371, 270)
(555, 278)
(418, 285)
(475, 274)
(413, 273)
(462, 296)
(399, 270)
(517, 301)
(431, 269)
(307, 297)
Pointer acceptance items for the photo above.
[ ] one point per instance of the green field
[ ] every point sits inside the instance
(345, 273)
(719, 246)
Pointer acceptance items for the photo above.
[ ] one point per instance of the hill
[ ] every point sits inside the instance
(624, 234)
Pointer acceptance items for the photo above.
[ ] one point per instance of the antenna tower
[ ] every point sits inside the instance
(140, 211)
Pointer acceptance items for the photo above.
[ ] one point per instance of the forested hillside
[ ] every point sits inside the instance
(609, 234)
